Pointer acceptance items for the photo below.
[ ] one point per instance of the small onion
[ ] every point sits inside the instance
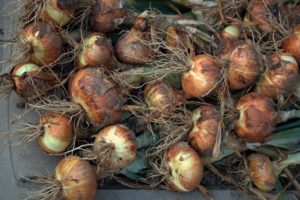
(44, 42)
(185, 168)
(60, 12)
(203, 76)
(257, 118)
(97, 50)
(98, 95)
(261, 172)
(292, 44)
(77, 178)
(124, 144)
(57, 133)
(280, 76)
(107, 15)
(231, 32)
(203, 135)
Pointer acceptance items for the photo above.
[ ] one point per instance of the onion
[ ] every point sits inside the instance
(242, 61)
(203, 76)
(257, 117)
(44, 42)
(294, 17)
(292, 44)
(175, 40)
(185, 167)
(231, 32)
(97, 50)
(60, 12)
(203, 135)
(107, 15)
(280, 76)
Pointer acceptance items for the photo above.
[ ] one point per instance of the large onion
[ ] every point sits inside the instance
(292, 44)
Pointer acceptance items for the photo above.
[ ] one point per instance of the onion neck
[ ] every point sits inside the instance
(292, 159)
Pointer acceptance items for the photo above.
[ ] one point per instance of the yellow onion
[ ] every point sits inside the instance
(43, 41)
(202, 77)
(262, 172)
(294, 17)
(280, 76)
(184, 166)
(203, 135)
(257, 117)
(60, 12)
(30, 80)
(97, 51)
(98, 95)
(124, 144)
(243, 63)
(231, 32)
(175, 39)
(107, 15)
(77, 178)
(292, 44)
(57, 133)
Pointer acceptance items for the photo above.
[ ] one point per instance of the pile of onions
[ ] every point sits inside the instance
(203, 135)
(231, 32)
(202, 77)
(185, 168)
(280, 76)
(292, 44)
(97, 51)
(257, 117)
(43, 42)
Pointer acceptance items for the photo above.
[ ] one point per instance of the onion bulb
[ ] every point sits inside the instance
(123, 142)
(294, 17)
(175, 40)
(43, 42)
(262, 172)
(280, 76)
(184, 166)
(60, 12)
(292, 44)
(202, 77)
(97, 51)
(203, 135)
(257, 117)
(231, 32)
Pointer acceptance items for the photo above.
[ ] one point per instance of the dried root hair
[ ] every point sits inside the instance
(7, 85)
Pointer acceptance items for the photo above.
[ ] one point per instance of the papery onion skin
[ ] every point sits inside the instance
(97, 51)
(203, 76)
(58, 133)
(77, 177)
(124, 142)
(185, 168)
(294, 16)
(292, 44)
(257, 117)
(203, 135)
(261, 172)
(30, 80)
(60, 12)
(44, 41)
(280, 76)
(99, 96)
(231, 32)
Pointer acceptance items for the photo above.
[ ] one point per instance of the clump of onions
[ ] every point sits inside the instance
(292, 44)
(184, 166)
(202, 77)
(97, 51)
(203, 134)
(257, 117)
(43, 42)
(107, 15)
(280, 76)
(60, 12)
(231, 32)
(294, 17)
(243, 63)
(132, 47)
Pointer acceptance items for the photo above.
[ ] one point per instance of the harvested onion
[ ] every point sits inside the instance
(292, 44)
(231, 32)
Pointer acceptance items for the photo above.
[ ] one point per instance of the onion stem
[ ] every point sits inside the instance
(292, 159)
(286, 115)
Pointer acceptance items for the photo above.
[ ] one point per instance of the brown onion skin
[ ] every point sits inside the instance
(32, 82)
(59, 129)
(202, 77)
(257, 118)
(98, 51)
(292, 44)
(99, 96)
(243, 63)
(105, 14)
(280, 76)
(203, 135)
(77, 177)
(188, 169)
(261, 172)
(125, 144)
(48, 43)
